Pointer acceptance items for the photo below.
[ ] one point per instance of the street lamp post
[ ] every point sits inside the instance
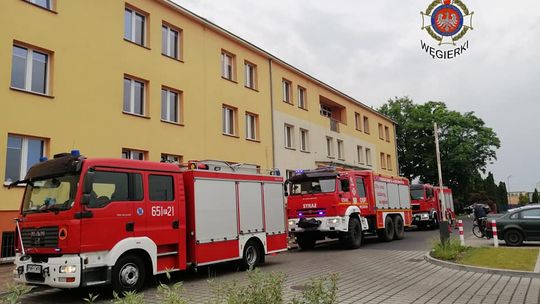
(443, 224)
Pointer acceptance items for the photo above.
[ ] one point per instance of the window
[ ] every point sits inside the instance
(170, 44)
(170, 105)
(251, 126)
(304, 140)
(108, 187)
(133, 154)
(289, 136)
(251, 75)
(227, 65)
(43, 3)
(387, 133)
(229, 120)
(383, 161)
(135, 26)
(366, 125)
(360, 154)
(326, 111)
(360, 188)
(30, 70)
(530, 214)
(170, 158)
(358, 121)
(389, 162)
(302, 104)
(287, 97)
(134, 96)
(340, 149)
(368, 157)
(22, 153)
(8, 244)
(329, 147)
(381, 134)
(161, 188)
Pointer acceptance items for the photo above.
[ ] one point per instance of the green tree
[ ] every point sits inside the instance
(535, 197)
(523, 199)
(467, 146)
(502, 195)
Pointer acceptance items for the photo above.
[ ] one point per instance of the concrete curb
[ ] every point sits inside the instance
(526, 274)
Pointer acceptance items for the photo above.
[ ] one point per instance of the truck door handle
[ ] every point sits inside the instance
(175, 224)
(130, 227)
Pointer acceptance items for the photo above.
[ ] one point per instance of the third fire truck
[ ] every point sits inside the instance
(426, 205)
(347, 205)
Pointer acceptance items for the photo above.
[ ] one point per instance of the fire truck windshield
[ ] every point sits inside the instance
(313, 185)
(417, 194)
(50, 194)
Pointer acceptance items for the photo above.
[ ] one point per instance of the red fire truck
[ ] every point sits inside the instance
(426, 206)
(347, 205)
(87, 222)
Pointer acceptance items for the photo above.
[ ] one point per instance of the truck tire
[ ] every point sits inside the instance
(305, 241)
(252, 256)
(387, 234)
(399, 228)
(352, 239)
(128, 274)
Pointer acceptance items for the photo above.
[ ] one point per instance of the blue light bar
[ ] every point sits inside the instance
(75, 153)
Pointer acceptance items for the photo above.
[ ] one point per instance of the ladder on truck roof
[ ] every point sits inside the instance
(224, 166)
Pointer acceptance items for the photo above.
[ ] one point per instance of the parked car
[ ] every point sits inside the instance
(518, 225)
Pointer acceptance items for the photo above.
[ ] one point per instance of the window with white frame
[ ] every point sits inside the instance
(133, 154)
(368, 157)
(251, 75)
(304, 140)
(229, 120)
(227, 65)
(383, 161)
(381, 132)
(134, 96)
(289, 136)
(170, 41)
(389, 162)
(329, 147)
(251, 126)
(387, 133)
(326, 111)
(286, 87)
(302, 97)
(366, 124)
(171, 158)
(170, 105)
(30, 70)
(340, 149)
(358, 121)
(135, 26)
(360, 154)
(22, 153)
(48, 4)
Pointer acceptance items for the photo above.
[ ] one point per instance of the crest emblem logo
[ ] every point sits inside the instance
(446, 21)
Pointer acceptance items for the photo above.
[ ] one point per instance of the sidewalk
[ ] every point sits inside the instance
(6, 276)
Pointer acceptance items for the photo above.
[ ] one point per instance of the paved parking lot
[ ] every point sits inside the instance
(376, 273)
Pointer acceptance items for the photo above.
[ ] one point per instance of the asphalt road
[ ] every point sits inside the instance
(378, 272)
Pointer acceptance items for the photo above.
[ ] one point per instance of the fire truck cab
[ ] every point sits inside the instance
(426, 204)
(87, 222)
(346, 205)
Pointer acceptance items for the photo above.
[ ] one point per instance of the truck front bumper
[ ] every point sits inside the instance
(60, 272)
(421, 218)
(323, 224)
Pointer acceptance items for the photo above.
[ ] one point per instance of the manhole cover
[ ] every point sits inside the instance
(297, 287)
(415, 260)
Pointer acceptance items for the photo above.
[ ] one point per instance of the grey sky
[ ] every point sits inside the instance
(371, 51)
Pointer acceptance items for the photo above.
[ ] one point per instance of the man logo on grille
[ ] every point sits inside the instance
(37, 236)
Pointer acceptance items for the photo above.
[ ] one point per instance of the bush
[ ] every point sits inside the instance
(321, 290)
(171, 295)
(449, 251)
(130, 297)
(14, 293)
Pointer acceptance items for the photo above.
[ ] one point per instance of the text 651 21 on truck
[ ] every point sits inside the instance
(347, 205)
(88, 222)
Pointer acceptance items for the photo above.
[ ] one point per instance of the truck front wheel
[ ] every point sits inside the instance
(305, 241)
(128, 274)
(352, 239)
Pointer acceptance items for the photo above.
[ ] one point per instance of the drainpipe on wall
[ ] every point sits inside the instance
(272, 114)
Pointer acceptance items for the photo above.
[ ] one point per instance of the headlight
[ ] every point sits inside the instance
(292, 223)
(68, 269)
(333, 221)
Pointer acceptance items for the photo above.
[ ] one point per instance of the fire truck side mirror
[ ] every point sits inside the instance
(87, 187)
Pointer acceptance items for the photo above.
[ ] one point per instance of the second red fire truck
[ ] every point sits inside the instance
(87, 222)
(347, 205)
(426, 205)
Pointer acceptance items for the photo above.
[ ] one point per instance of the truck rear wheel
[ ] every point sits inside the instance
(352, 239)
(252, 256)
(387, 234)
(128, 274)
(305, 241)
(399, 232)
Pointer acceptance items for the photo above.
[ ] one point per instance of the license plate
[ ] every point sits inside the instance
(33, 268)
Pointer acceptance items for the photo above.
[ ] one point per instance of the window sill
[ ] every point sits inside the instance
(30, 92)
(342, 159)
(253, 89)
(359, 130)
(228, 79)
(367, 132)
(134, 43)
(289, 103)
(290, 148)
(231, 135)
(41, 7)
(305, 109)
(305, 151)
(6, 184)
(172, 123)
(330, 157)
(136, 115)
(173, 58)
(253, 140)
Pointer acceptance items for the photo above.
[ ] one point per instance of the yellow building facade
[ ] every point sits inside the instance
(147, 79)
